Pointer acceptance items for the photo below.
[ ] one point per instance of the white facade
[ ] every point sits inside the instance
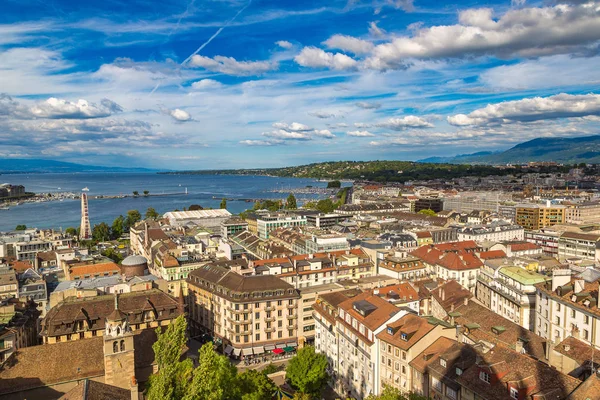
(492, 232)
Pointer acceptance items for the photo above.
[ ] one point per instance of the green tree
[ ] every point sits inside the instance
(325, 206)
(301, 396)
(290, 204)
(307, 371)
(214, 378)
(151, 213)
(113, 255)
(391, 393)
(223, 204)
(101, 232)
(334, 184)
(20, 227)
(269, 369)
(117, 227)
(146, 193)
(255, 385)
(173, 376)
(71, 231)
(135, 193)
(195, 207)
(429, 212)
(133, 217)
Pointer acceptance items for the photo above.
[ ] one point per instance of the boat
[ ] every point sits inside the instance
(85, 189)
(4, 208)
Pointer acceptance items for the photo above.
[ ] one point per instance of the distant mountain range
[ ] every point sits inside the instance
(31, 165)
(562, 150)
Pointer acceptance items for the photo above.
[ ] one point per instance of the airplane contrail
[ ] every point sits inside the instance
(210, 39)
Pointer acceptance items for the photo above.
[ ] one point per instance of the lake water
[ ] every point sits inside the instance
(201, 189)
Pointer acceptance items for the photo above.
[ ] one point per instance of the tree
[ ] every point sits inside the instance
(71, 231)
(301, 396)
(214, 378)
(255, 385)
(429, 212)
(223, 204)
(151, 213)
(113, 255)
(195, 207)
(146, 193)
(118, 226)
(133, 217)
(101, 232)
(172, 379)
(325, 206)
(334, 184)
(307, 371)
(291, 202)
(391, 393)
(135, 193)
(269, 369)
(20, 227)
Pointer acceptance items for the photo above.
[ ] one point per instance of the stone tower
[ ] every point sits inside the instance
(119, 358)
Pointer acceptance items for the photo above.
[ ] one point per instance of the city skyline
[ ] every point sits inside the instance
(232, 84)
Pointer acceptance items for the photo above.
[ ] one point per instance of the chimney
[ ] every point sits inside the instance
(519, 347)
(442, 294)
(579, 286)
(560, 277)
(146, 240)
(466, 301)
(135, 395)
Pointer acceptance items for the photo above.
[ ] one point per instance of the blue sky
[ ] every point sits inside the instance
(235, 83)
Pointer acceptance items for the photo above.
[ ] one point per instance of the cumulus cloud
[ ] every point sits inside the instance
(322, 114)
(230, 66)
(317, 58)
(368, 106)
(295, 132)
(324, 133)
(410, 121)
(523, 32)
(206, 84)
(260, 142)
(54, 108)
(284, 44)
(349, 44)
(288, 135)
(179, 115)
(293, 127)
(359, 133)
(375, 30)
(531, 109)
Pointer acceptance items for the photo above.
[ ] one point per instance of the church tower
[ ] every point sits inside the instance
(119, 358)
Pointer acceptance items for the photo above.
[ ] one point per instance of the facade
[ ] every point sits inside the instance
(269, 222)
(250, 314)
(233, 226)
(582, 213)
(400, 342)
(547, 240)
(81, 269)
(27, 251)
(9, 285)
(494, 232)
(535, 217)
(206, 218)
(510, 292)
(324, 221)
(401, 266)
(426, 203)
(578, 245)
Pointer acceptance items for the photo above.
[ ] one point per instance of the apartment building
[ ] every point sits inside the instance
(249, 314)
(582, 213)
(579, 245)
(402, 295)
(360, 319)
(535, 216)
(266, 223)
(402, 266)
(400, 342)
(510, 292)
(9, 285)
(546, 239)
(493, 232)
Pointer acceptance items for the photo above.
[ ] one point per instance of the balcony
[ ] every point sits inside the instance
(270, 308)
(291, 305)
(271, 329)
(269, 319)
(292, 316)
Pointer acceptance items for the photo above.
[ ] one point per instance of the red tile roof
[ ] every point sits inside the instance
(404, 290)
(454, 256)
(489, 255)
(523, 246)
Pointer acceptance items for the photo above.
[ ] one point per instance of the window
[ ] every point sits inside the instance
(514, 393)
(451, 393)
(484, 376)
(115, 347)
(437, 385)
(122, 345)
(443, 362)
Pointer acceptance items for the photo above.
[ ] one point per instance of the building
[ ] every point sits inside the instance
(324, 221)
(429, 203)
(205, 218)
(446, 297)
(268, 222)
(28, 250)
(400, 342)
(402, 266)
(233, 226)
(9, 284)
(494, 232)
(375, 208)
(510, 292)
(76, 319)
(402, 295)
(579, 245)
(535, 217)
(582, 213)
(85, 269)
(248, 314)
(546, 239)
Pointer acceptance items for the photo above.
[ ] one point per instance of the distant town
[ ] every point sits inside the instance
(477, 287)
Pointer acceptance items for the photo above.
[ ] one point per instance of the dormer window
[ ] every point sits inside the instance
(443, 362)
(459, 371)
(484, 376)
(514, 393)
(390, 330)
(404, 337)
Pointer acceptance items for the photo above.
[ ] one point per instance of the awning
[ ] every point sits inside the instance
(258, 350)
(292, 344)
(278, 351)
(236, 352)
(280, 346)
(246, 352)
(288, 349)
(269, 347)
(228, 349)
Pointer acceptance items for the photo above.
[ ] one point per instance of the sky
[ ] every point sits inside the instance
(215, 84)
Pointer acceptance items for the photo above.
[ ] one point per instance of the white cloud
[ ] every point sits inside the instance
(359, 133)
(317, 58)
(410, 121)
(260, 142)
(293, 127)
(376, 31)
(368, 106)
(324, 133)
(531, 109)
(349, 44)
(206, 84)
(287, 135)
(362, 125)
(284, 44)
(59, 108)
(523, 32)
(322, 114)
(180, 115)
(230, 66)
